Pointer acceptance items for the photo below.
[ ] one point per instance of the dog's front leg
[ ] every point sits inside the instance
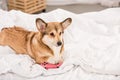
(40, 60)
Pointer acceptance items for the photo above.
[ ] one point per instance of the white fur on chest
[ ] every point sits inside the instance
(56, 51)
(57, 57)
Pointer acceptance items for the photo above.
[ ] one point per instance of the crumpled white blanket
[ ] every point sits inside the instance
(91, 47)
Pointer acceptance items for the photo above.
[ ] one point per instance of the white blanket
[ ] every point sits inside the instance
(91, 47)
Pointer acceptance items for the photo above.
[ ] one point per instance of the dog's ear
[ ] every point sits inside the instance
(66, 22)
(41, 25)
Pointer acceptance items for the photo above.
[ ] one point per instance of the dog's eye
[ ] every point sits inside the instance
(60, 33)
(52, 34)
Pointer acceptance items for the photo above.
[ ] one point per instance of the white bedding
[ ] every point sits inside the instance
(92, 45)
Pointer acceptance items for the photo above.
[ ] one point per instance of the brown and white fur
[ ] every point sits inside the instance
(46, 45)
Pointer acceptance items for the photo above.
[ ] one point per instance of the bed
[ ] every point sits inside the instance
(92, 47)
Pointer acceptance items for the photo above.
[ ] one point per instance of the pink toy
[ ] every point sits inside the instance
(51, 66)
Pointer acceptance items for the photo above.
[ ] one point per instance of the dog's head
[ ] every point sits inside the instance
(52, 32)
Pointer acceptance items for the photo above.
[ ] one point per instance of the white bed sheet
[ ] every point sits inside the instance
(92, 45)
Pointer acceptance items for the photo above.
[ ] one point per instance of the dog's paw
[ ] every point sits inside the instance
(52, 61)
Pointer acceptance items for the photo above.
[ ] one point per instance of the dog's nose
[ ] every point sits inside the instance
(59, 43)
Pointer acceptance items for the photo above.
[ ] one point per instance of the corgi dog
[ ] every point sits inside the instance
(46, 45)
